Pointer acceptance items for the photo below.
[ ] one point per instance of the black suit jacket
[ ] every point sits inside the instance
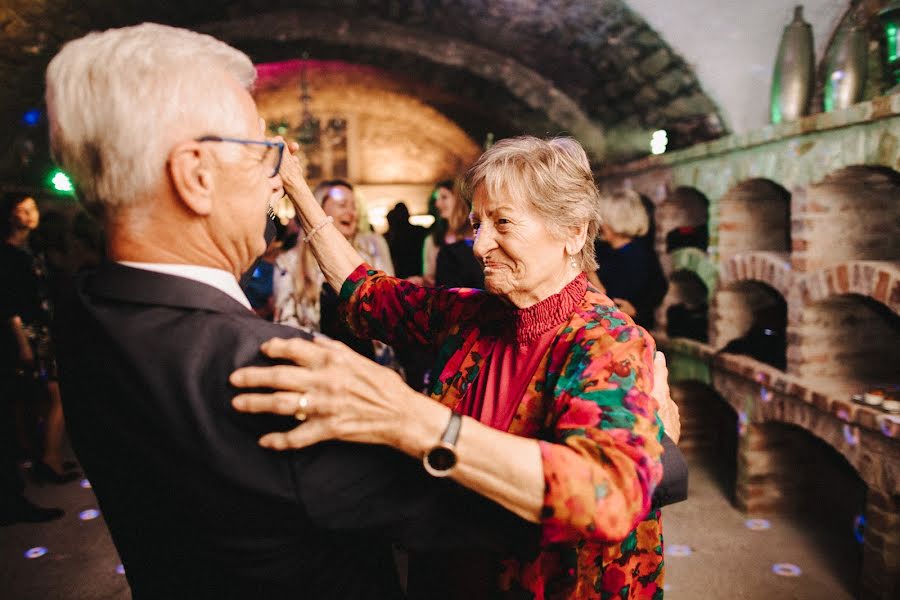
(195, 507)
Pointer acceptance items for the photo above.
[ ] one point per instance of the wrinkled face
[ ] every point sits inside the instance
(523, 261)
(244, 189)
(340, 203)
(445, 202)
(26, 215)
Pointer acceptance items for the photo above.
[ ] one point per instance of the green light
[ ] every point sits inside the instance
(892, 42)
(61, 182)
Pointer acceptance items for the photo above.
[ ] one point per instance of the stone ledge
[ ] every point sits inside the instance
(882, 107)
(769, 379)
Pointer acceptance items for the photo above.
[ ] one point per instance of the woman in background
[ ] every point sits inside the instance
(27, 350)
(303, 298)
(629, 269)
(448, 256)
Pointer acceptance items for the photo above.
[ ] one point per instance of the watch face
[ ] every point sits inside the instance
(441, 459)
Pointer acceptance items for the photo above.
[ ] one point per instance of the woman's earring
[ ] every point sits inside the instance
(572, 262)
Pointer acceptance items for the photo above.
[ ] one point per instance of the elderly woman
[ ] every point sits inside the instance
(629, 269)
(543, 396)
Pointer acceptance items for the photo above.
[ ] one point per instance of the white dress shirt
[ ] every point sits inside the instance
(220, 279)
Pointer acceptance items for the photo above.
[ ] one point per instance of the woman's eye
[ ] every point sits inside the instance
(476, 225)
(503, 221)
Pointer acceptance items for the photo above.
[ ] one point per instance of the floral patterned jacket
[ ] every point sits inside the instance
(588, 403)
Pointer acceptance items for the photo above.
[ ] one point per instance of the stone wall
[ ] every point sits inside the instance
(805, 214)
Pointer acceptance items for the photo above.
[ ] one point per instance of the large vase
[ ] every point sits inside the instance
(792, 83)
(848, 61)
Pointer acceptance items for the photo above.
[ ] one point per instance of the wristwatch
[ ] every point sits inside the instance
(440, 460)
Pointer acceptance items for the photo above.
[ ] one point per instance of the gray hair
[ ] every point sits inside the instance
(553, 176)
(624, 213)
(119, 100)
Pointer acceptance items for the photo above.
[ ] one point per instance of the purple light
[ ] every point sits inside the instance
(757, 524)
(743, 420)
(888, 424)
(764, 394)
(36, 552)
(851, 435)
(679, 550)
(89, 515)
(786, 570)
(85, 484)
(120, 569)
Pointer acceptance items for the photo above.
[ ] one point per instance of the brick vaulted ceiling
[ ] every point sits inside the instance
(590, 68)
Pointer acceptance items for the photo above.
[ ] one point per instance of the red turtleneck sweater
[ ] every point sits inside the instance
(516, 355)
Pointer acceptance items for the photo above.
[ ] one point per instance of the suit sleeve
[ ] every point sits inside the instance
(674, 485)
(377, 490)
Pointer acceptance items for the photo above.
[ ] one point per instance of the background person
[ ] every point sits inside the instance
(303, 298)
(26, 310)
(448, 256)
(629, 269)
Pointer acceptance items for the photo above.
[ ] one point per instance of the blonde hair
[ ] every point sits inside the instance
(554, 176)
(624, 213)
(119, 100)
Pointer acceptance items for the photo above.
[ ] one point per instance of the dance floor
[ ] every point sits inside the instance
(713, 552)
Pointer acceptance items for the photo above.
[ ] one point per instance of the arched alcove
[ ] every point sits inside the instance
(685, 309)
(682, 221)
(751, 319)
(844, 344)
(785, 470)
(853, 214)
(754, 215)
(709, 432)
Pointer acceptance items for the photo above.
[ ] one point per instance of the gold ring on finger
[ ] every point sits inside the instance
(302, 405)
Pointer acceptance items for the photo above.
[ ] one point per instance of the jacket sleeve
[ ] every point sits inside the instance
(376, 490)
(602, 462)
(397, 312)
(674, 485)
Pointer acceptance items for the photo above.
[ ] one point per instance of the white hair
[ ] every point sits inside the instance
(119, 100)
(553, 176)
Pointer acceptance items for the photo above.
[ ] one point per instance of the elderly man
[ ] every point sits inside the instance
(163, 140)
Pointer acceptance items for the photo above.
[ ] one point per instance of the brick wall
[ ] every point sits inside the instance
(754, 215)
(851, 215)
(843, 341)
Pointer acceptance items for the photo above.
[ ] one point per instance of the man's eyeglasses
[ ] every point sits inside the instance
(272, 157)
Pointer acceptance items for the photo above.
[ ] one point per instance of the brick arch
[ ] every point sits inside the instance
(697, 262)
(772, 268)
(762, 394)
(878, 280)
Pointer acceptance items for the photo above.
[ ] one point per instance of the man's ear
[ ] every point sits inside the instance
(192, 177)
(577, 237)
